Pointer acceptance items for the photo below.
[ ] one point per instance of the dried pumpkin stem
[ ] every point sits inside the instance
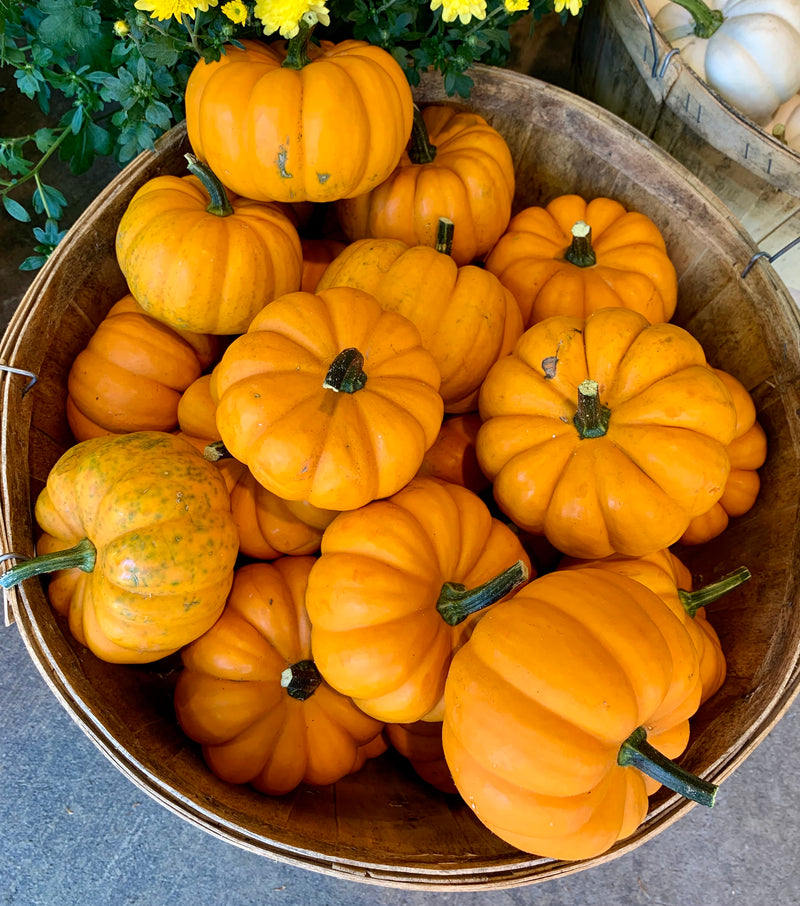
(580, 252)
(693, 600)
(591, 418)
(420, 148)
(220, 205)
(444, 236)
(346, 374)
(297, 49)
(637, 752)
(457, 602)
(706, 20)
(301, 680)
(215, 451)
(82, 556)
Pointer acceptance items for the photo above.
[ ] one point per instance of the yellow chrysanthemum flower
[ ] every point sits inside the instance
(463, 10)
(574, 6)
(236, 11)
(167, 9)
(284, 15)
(121, 28)
(516, 6)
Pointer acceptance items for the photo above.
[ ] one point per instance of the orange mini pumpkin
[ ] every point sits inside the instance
(573, 257)
(457, 166)
(199, 261)
(300, 122)
(747, 452)
(607, 435)
(132, 373)
(398, 587)
(329, 399)
(252, 696)
(560, 708)
(421, 743)
(452, 456)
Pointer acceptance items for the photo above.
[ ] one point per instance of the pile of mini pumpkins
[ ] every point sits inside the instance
(409, 480)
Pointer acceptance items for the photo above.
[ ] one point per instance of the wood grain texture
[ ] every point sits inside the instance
(383, 826)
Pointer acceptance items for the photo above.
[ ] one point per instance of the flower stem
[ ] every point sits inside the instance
(592, 417)
(580, 252)
(693, 600)
(637, 752)
(346, 374)
(220, 205)
(706, 20)
(82, 556)
(456, 602)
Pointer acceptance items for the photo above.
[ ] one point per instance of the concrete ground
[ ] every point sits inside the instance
(74, 830)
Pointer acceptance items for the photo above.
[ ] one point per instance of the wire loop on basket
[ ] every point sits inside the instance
(33, 377)
(769, 257)
(656, 72)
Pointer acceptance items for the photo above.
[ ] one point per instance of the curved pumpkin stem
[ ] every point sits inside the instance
(297, 49)
(706, 20)
(346, 374)
(301, 680)
(82, 556)
(220, 205)
(693, 600)
(444, 236)
(580, 252)
(420, 148)
(637, 752)
(592, 417)
(457, 602)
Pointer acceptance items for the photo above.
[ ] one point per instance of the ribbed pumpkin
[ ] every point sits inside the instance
(250, 694)
(421, 743)
(199, 261)
(573, 257)
(317, 255)
(466, 317)
(299, 123)
(329, 399)
(457, 166)
(663, 573)
(607, 435)
(142, 542)
(132, 373)
(398, 587)
(747, 453)
(551, 701)
(452, 456)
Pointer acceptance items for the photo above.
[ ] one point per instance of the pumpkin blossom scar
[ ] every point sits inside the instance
(284, 16)
(463, 10)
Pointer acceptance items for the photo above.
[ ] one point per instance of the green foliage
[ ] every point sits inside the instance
(109, 79)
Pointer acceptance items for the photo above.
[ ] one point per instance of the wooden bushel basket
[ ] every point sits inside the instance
(618, 65)
(383, 825)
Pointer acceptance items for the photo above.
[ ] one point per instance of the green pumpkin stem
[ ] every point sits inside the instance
(346, 374)
(297, 49)
(444, 236)
(580, 252)
(220, 205)
(215, 451)
(456, 602)
(693, 600)
(779, 132)
(591, 418)
(637, 752)
(301, 680)
(706, 20)
(82, 556)
(420, 148)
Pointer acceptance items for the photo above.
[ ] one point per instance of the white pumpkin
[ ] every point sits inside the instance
(752, 60)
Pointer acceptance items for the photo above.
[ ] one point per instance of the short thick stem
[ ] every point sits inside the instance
(445, 232)
(580, 252)
(637, 752)
(297, 50)
(457, 602)
(346, 374)
(420, 148)
(219, 204)
(706, 20)
(82, 556)
(591, 417)
(215, 451)
(301, 680)
(693, 600)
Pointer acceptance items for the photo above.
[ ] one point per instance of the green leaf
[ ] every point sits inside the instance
(27, 82)
(66, 23)
(77, 120)
(33, 263)
(15, 210)
(48, 199)
(43, 139)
